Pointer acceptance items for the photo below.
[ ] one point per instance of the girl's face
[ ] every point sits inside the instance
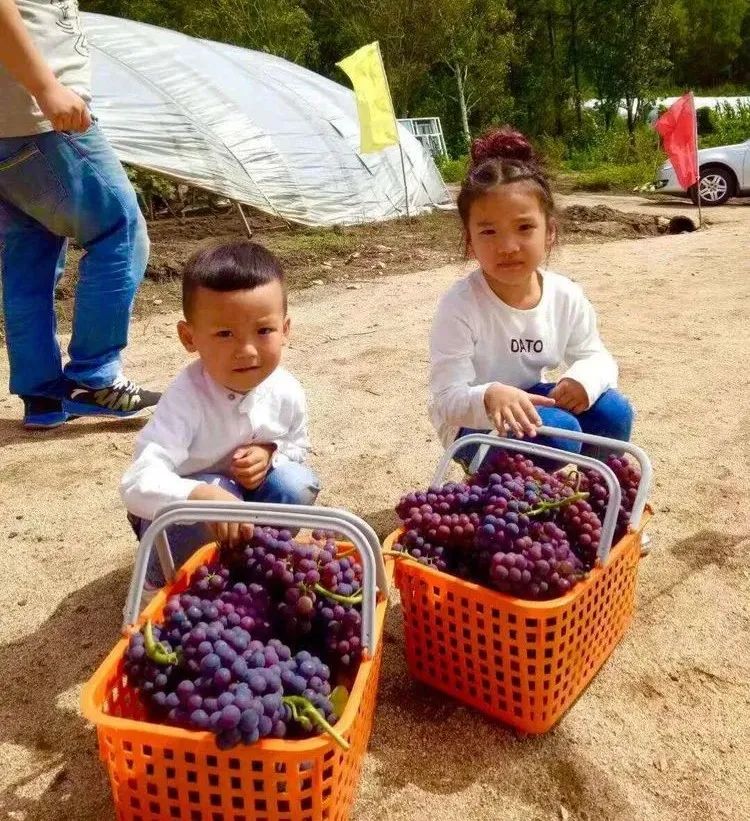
(509, 234)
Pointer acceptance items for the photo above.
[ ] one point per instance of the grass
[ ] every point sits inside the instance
(616, 179)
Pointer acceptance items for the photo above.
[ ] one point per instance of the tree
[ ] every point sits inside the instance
(276, 26)
(406, 32)
(741, 64)
(279, 27)
(708, 38)
(626, 60)
(475, 43)
(575, 12)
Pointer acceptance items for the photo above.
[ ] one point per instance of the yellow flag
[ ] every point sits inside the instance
(377, 122)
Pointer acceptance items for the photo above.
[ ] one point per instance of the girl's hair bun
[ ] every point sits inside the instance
(503, 144)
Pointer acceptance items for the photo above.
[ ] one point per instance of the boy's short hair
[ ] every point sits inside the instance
(230, 266)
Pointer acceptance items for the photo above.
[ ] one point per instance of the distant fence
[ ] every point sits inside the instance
(429, 132)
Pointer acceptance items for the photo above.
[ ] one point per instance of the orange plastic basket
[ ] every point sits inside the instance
(159, 772)
(522, 662)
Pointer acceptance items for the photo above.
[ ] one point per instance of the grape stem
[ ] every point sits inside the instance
(302, 707)
(355, 599)
(156, 651)
(543, 507)
(571, 474)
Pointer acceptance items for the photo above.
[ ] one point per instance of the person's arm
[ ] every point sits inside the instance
(251, 463)
(152, 480)
(25, 63)
(453, 397)
(462, 404)
(590, 364)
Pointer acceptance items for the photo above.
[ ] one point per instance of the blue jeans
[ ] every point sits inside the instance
(290, 484)
(56, 186)
(611, 416)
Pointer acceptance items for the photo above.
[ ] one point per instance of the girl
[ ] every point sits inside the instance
(497, 330)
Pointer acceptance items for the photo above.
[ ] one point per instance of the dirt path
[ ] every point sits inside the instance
(662, 733)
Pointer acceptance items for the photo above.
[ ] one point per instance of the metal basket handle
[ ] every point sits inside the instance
(361, 535)
(522, 446)
(640, 455)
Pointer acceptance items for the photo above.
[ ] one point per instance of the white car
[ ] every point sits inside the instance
(724, 173)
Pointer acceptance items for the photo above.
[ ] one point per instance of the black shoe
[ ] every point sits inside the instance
(43, 413)
(122, 398)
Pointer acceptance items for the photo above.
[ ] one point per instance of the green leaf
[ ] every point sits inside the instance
(338, 699)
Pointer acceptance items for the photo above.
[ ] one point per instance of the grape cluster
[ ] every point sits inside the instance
(513, 525)
(250, 649)
(304, 581)
(238, 688)
(628, 476)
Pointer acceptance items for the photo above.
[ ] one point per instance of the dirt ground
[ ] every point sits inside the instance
(663, 732)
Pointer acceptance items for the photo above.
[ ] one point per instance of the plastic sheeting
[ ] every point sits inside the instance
(249, 126)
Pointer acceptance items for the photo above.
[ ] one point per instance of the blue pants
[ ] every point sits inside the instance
(56, 186)
(611, 416)
(290, 484)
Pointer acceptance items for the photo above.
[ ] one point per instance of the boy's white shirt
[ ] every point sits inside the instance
(477, 339)
(198, 425)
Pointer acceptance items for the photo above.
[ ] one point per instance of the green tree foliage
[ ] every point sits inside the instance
(276, 26)
(478, 62)
(708, 39)
(626, 60)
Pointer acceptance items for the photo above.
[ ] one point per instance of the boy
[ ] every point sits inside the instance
(233, 424)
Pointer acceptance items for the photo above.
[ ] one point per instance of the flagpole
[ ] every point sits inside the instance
(697, 162)
(400, 147)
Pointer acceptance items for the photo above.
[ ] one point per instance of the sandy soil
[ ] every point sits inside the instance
(662, 733)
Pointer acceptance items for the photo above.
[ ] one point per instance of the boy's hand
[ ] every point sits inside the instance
(229, 533)
(570, 396)
(250, 465)
(512, 410)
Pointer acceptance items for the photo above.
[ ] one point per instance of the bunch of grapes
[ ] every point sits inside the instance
(252, 647)
(584, 529)
(300, 578)
(339, 629)
(221, 679)
(514, 526)
(628, 476)
(435, 555)
(499, 462)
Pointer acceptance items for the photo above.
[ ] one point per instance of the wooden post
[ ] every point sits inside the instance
(244, 219)
(400, 147)
(697, 164)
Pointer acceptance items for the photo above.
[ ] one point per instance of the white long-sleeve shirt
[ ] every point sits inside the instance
(478, 339)
(198, 425)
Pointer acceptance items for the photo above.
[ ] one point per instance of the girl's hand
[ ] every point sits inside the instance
(230, 533)
(570, 396)
(512, 410)
(250, 465)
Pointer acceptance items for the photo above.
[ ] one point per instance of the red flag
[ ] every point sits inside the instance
(677, 127)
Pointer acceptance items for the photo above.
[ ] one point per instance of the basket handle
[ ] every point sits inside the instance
(640, 455)
(361, 535)
(533, 449)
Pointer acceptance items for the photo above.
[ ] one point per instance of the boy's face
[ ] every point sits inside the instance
(237, 334)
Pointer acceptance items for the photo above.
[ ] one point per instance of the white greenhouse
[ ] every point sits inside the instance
(248, 126)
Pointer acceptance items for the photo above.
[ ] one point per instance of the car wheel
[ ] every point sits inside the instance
(716, 186)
